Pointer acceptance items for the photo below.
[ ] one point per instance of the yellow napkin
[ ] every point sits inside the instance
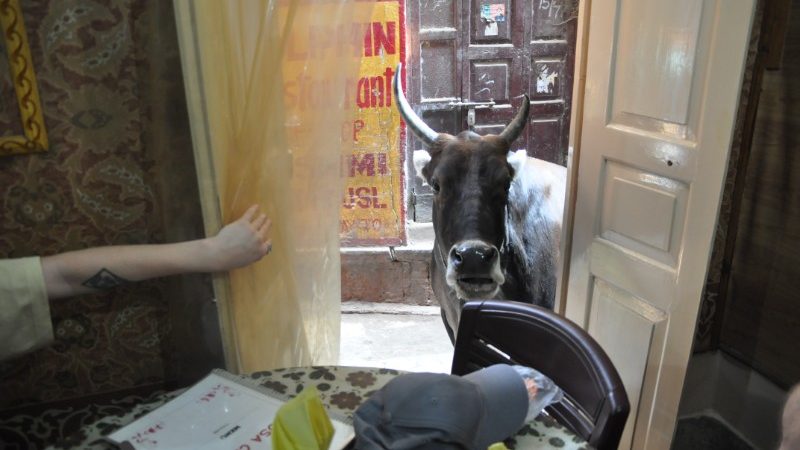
(498, 446)
(302, 423)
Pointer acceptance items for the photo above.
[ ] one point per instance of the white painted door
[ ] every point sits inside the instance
(661, 93)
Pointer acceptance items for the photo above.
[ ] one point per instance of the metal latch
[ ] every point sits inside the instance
(472, 105)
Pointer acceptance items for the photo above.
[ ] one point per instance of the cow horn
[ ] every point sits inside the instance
(515, 127)
(420, 129)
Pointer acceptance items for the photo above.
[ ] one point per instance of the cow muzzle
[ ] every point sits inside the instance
(473, 269)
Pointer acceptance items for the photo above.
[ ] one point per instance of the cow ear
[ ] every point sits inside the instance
(517, 160)
(421, 159)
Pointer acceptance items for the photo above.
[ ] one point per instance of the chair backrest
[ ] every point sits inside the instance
(595, 406)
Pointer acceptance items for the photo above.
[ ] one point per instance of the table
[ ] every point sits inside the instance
(342, 389)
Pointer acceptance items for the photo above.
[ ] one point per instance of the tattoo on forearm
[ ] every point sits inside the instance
(105, 279)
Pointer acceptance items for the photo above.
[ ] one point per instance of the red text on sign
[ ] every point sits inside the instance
(362, 197)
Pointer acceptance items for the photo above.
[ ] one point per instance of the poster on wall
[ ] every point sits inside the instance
(372, 201)
(372, 211)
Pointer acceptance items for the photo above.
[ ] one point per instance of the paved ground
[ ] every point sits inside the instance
(396, 336)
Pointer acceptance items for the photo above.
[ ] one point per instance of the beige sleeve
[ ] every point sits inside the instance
(25, 322)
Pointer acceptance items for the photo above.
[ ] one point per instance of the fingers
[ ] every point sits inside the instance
(260, 225)
(259, 222)
(266, 247)
(263, 229)
(250, 213)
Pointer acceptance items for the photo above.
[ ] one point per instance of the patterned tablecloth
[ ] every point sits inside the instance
(342, 389)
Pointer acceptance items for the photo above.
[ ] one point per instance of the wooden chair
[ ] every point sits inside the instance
(595, 406)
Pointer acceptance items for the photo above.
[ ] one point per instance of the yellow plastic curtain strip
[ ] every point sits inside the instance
(274, 147)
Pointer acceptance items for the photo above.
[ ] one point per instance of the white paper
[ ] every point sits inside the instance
(216, 413)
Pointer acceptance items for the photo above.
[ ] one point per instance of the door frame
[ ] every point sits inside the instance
(573, 153)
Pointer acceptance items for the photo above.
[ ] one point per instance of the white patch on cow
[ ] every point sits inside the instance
(421, 159)
(464, 295)
(539, 188)
(517, 160)
(496, 274)
(536, 210)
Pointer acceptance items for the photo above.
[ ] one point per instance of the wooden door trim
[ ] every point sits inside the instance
(573, 153)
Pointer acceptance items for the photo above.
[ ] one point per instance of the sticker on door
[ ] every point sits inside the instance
(491, 14)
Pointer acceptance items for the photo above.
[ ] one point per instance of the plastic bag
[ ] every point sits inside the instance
(542, 391)
(302, 423)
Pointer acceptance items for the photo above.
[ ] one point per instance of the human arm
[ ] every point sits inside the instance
(239, 243)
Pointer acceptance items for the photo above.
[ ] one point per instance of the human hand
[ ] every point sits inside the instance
(241, 242)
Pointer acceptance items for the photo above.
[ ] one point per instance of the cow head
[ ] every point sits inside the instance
(470, 176)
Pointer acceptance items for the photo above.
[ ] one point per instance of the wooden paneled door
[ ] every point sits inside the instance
(470, 62)
(661, 95)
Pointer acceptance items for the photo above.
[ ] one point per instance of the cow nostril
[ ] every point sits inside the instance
(457, 257)
(488, 255)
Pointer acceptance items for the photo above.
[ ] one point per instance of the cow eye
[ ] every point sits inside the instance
(435, 185)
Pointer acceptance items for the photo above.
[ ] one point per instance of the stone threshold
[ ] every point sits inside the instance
(358, 307)
(396, 275)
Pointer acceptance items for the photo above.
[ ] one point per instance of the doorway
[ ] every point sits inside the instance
(470, 63)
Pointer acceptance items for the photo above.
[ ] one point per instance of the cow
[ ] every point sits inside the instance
(496, 215)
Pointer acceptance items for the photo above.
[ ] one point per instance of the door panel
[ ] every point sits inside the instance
(643, 212)
(489, 80)
(439, 79)
(645, 326)
(656, 134)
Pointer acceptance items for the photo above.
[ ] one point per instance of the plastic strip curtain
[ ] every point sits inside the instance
(274, 77)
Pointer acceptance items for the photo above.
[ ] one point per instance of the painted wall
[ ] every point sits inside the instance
(761, 323)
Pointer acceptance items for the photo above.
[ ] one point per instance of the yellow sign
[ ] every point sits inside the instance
(372, 210)
(372, 202)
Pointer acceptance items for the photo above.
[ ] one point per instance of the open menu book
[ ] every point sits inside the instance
(222, 411)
